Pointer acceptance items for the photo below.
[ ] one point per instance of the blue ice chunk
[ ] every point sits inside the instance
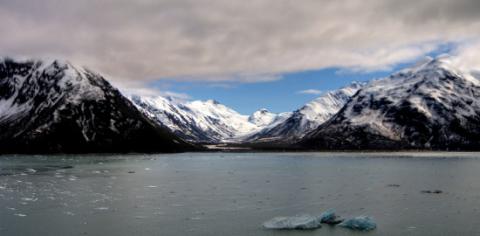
(329, 217)
(294, 222)
(362, 223)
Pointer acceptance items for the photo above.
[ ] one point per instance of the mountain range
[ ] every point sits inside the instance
(307, 118)
(212, 122)
(432, 105)
(54, 106)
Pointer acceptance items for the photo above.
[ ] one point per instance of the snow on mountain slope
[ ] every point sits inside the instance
(226, 121)
(262, 117)
(431, 105)
(202, 121)
(308, 117)
(53, 106)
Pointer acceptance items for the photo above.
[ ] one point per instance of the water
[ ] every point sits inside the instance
(234, 193)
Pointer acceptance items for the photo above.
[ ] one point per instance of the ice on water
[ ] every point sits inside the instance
(361, 223)
(305, 221)
(329, 217)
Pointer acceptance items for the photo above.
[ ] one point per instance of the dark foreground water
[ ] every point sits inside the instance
(233, 194)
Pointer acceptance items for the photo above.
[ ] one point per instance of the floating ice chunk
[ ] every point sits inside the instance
(329, 217)
(362, 223)
(101, 208)
(20, 215)
(29, 199)
(72, 178)
(294, 222)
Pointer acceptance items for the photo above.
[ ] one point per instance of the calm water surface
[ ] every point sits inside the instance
(234, 193)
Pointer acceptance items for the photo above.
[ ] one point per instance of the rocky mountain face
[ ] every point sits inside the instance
(308, 117)
(203, 121)
(432, 105)
(55, 107)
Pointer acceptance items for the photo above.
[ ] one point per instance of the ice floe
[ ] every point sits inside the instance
(102, 208)
(309, 222)
(329, 217)
(295, 222)
(361, 223)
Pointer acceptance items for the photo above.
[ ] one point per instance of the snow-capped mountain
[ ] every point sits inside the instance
(202, 121)
(262, 117)
(308, 117)
(53, 106)
(432, 105)
(267, 120)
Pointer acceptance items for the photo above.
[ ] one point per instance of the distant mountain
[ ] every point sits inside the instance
(262, 117)
(308, 117)
(432, 105)
(265, 119)
(55, 107)
(202, 121)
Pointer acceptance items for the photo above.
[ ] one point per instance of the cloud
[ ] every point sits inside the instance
(138, 88)
(242, 41)
(242, 77)
(310, 91)
(467, 56)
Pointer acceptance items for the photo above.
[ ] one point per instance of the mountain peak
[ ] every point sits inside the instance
(430, 105)
(262, 111)
(430, 69)
(42, 63)
(429, 64)
(52, 106)
(213, 101)
(262, 117)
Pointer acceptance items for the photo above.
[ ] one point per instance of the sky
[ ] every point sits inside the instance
(283, 95)
(288, 93)
(276, 54)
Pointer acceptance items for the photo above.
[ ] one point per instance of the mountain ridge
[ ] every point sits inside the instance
(54, 107)
(308, 117)
(431, 105)
(202, 121)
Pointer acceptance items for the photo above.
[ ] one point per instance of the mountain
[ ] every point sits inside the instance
(202, 121)
(265, 119)
(432, 105)
(262, 117)
(55, 107)
(308, 117)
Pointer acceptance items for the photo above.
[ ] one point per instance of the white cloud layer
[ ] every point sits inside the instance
(310, 91)
(244, 41)
(467, 56)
